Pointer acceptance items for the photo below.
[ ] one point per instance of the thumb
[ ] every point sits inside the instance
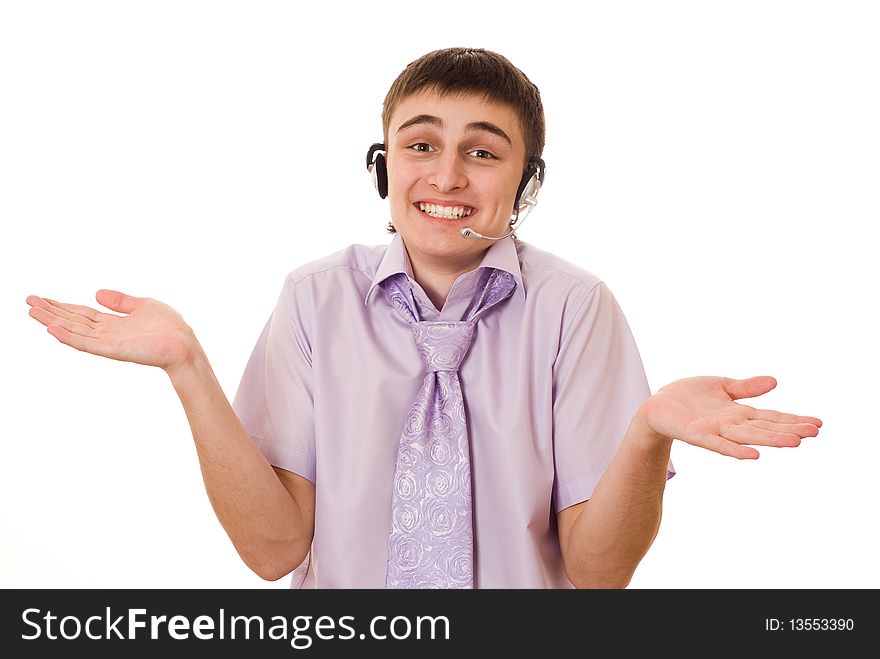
(750, 387)
(119, 301)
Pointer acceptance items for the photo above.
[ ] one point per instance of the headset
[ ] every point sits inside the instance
(526, 194)
(377, 166)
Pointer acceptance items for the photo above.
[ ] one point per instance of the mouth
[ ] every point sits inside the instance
(441, 212)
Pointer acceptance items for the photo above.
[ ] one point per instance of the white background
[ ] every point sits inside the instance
(716, 163)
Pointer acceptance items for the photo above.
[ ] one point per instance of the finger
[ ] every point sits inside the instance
(119, 301)
(800, 429)
(725, 447)
(746, 434)
(73, 312)
(48, 318)
(78, 341)
(750, 387)
(92, 314)
(782, 417)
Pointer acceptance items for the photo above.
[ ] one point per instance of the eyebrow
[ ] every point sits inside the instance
(438, 123)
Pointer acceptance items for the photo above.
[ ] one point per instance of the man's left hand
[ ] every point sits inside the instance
(702, 411)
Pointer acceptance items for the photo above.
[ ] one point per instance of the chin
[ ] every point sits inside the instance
(449, 243)
(443, 238)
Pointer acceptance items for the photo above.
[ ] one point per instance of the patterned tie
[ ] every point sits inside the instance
(431, 544)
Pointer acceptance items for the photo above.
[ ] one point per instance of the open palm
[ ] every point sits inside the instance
(701, 411)
(152, 333)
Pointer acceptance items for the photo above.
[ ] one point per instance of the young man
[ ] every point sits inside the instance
(443, 411)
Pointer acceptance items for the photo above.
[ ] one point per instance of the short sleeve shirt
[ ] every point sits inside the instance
(551, 382)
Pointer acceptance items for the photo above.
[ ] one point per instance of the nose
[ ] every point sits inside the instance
(447, 172)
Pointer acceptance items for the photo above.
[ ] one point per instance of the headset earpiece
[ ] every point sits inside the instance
(530, 184)
(377, 167)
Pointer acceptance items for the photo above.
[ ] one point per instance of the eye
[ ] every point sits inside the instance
(421, 147)
(485, 154)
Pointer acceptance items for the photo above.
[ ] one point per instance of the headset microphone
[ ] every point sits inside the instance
(521, 213)
(526, 199)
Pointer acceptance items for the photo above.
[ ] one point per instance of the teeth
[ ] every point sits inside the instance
(447, 212)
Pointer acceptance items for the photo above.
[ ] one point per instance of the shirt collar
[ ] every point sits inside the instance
(501, 255)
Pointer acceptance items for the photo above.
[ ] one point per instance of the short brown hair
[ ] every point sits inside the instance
(478, 71)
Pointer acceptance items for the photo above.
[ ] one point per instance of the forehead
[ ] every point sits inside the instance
(458, 114)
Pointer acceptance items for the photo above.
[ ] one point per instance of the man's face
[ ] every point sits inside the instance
(453, 161)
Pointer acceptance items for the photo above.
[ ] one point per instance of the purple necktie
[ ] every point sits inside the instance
(431, 544)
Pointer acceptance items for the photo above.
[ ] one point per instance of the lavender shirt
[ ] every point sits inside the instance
(551, 381)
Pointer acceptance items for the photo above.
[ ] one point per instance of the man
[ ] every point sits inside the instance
(443, 411)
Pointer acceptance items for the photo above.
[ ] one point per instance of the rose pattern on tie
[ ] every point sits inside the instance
(431, 537)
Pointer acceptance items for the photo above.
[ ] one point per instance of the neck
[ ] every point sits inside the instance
(436, 276)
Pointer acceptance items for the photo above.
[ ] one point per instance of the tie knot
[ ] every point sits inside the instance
(442, 344)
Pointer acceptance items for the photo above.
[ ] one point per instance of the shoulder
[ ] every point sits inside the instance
(357, 262)
(544, 272)
(565, 295)
(329, 291)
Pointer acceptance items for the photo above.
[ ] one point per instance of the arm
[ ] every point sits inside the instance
(268, 513)
(604, 538)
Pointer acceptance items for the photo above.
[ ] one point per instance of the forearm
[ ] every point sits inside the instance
(265, 524)
(617, 526)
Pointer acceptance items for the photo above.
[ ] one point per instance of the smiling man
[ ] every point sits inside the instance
(454, 400)
(455, 409)
(452, 159)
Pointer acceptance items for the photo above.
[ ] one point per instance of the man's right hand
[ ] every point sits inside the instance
(152, 333)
